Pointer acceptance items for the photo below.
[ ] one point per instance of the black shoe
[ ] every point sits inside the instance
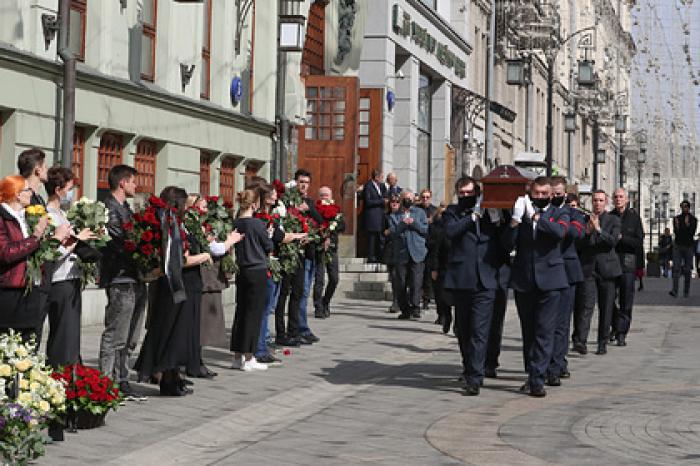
(288, 341)
(312, 338)
(673, 293)
(327, 310)
(601, 349)
(537, 392)
(446, 323)
(270, 360)
(553, 381)
(524, 388)
(304, 340)
(404, 316)
(415, 315)
(471, 389)
(565, 374)
(580, 348)
(490, 373)
(125, 389)
(320, 315)
(621, 339)
(393, 310)
(438, 321)
(613, 336)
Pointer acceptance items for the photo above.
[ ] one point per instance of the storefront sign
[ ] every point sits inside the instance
(403, 26)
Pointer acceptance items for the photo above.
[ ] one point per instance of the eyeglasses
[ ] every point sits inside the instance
(27, 190)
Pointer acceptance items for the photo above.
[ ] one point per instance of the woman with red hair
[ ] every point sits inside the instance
(22, 310)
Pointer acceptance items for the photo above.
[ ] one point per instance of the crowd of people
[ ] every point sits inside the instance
(180, 304)
(560, 260)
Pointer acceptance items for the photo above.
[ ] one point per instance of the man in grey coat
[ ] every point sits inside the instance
(409, 230)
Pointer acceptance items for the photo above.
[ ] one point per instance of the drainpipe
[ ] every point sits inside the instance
(68, 83)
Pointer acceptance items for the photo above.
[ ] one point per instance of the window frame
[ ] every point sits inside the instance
(150, 30)
(102, 154)
(146, 156)
(206, 53)
(205, 160)
(227, 171)
(78, 159)
(81, 7)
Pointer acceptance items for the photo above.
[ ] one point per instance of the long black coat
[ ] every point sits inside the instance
(373, 206)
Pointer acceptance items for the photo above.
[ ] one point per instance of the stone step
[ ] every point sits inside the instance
(369, 295)
(351, 260)
(366, 268)
(371, 286)
(364, 277)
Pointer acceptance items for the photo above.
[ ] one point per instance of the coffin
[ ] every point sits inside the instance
(502, 187)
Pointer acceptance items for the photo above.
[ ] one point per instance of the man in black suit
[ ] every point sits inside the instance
(558, 367)
(471, 277)
(684, 226)
(537, 277)
(630, 240)
(601, 267)
(374, 196)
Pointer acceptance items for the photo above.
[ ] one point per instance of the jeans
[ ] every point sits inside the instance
(408, 280)
(273, 294)
(682, 265)
(309, 271)
(126, 303)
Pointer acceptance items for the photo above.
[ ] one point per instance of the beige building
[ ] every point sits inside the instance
(134, 102)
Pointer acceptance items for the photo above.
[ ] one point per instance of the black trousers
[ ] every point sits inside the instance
(374, 245)
(625, 300)
(65, 305)
(291, 289)
(493, 350)
(444, 307)
(409, 281)
(473, 311)
(323, 299)
(538, 311)
(251, 298)
(559, 364)
(587, 293)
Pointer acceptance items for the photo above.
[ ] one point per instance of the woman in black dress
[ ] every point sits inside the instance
(251, 282)
(172, 339)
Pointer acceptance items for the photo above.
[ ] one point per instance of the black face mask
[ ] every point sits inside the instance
(466, 202)
(541, 202)
(558, 201)
(406, 203)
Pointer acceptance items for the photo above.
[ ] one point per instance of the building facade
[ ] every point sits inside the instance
(134, 100)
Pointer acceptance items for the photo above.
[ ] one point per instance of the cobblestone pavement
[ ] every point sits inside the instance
(380, 391)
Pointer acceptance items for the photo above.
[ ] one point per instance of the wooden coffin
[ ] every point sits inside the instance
(502, 187)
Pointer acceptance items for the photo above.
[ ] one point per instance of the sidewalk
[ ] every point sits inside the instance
(376, 390)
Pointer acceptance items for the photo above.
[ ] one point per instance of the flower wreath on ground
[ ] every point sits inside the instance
(29, 399)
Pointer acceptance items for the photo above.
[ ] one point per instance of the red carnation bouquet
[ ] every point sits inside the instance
(332, 218)
(219, 223)
(87, 389)
(274, 268)
(144, 239)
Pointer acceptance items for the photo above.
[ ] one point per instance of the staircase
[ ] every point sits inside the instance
(360, 280)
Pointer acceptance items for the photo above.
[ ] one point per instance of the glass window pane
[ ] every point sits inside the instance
(326, 107)
(339, 119)
(325, 134)
(364, 117)
(364, 142)
(311, 106)
(312, 92)
(325, 92)
(364, 129)
(325, 120)
(147, 11)
(311, 120)
(339, 134)
(364, 103)
(146, 55)
(339, 93)
(310, 133)
(340, 106)
(424, 103)
(76, 33)
(423, 160)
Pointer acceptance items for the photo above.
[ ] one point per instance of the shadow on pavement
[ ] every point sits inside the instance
(415, 349)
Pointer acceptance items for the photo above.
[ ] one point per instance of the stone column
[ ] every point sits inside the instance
(440, 136)
(405, 157)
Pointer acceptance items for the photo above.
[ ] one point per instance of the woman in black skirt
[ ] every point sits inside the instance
(172, 339)
(251, 282)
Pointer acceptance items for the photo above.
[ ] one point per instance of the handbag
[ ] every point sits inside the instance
(629, 261)
(86, 253)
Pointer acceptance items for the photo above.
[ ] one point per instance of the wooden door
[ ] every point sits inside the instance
(369, 146)
(78, 160)
(328, 142)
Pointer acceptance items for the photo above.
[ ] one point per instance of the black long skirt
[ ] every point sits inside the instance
(24, 312)
(65, 306)
(172, 338)
(251, 297)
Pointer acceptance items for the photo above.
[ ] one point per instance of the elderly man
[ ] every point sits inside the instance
(392, 184)
(630, 241)
(374, 196)
(322, 300)
(409, 229)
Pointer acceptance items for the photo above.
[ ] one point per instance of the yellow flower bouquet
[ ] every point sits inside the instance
(48, 246)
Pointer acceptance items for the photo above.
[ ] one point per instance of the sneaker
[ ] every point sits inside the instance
(270, 360)
(237, 363)
(253, 365)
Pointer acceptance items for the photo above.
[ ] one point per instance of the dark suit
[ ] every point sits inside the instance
(631, 241)
(537, 276)
(574, 273)
(409, 252)
(373, 196)
(601, 267)
(471, 276)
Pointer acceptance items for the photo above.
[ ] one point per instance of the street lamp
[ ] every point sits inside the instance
(570, 121)
(291, 33)
(516, 72)
(600, 156)
(586, 74)
(620, 129)
(655, 181)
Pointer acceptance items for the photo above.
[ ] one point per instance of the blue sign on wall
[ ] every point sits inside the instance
(390, 100)
(236, 90)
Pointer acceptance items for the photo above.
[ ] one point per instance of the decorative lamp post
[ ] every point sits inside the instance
(655, 181)
(291, 33)
(586, 74)
(570, 121)
(620, 129)
(516, 72)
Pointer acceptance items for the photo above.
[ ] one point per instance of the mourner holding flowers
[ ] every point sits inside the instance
(24, 301)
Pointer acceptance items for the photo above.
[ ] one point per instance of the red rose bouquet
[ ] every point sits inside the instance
(219, 223)
(195, 221)
(87, 389)
(144, 238)
(332, 218)
(274, 268)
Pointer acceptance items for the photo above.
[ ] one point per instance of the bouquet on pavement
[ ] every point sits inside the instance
(48, 245)
(219, 223)
(332, 219)
(94, 216)
(29, 399)
(87, 389)
(143, 239)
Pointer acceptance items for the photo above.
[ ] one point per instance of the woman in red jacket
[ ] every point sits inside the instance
(21, 310)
